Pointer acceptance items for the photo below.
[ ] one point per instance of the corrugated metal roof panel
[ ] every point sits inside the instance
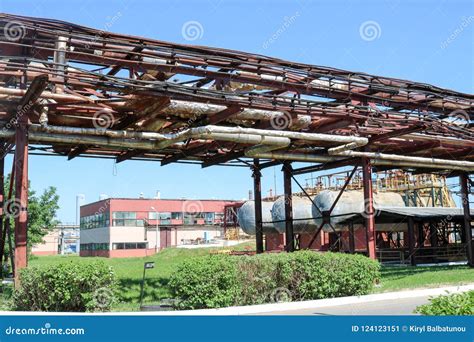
(424, 212)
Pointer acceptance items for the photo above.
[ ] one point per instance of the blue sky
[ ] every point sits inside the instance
(425, 41)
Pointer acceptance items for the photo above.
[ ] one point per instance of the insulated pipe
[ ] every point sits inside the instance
(377, 162)
(383, 156)
(301, 157)
(277, 139)
(60, 61)
(166, 139)
(187, 109)
(207, 132)
(38, 136)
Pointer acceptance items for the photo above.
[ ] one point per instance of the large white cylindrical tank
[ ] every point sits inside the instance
(351, 202)
(303, 221)
(246, 217)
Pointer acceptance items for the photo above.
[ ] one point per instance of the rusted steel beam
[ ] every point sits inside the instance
(330, 126)
(369, 207)
(129, 120)
(2, 211)
(21, 197)
(223, 115)
(289, 234)
(467, 219)
(187, 152)
(37, 86)
(346, 183)
(128, 155)
(116, 68)
(351, 238)
(411, 241)
(123, 123)
(220, 159)
(395, 133)
(270, 164)
(326, 166)
(316, 234)
(257, 190)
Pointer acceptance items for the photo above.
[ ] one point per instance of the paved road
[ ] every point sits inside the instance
(383, 307)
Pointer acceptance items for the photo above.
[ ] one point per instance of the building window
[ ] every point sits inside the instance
(164, 218)
(209, 218)
(126, 219)
(176, 215)
(94, 246)
(130, 245)
(98, 220)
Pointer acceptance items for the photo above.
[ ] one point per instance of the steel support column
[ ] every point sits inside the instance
(463, 180)
(257, 190)
(411, 241)
(21, 196)
(287, 175)
(351, 238)
(2, 214)
(369, 207)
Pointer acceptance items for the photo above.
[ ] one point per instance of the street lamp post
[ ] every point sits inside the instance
(146, 266)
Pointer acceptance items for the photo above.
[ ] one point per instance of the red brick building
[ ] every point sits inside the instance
(126, 227)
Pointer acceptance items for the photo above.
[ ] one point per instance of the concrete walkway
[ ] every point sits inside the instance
(389, 303)
(404, 306)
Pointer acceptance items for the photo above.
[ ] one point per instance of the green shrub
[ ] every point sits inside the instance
(206, 282)
(63, 287)
(220, 280)
(458, 304)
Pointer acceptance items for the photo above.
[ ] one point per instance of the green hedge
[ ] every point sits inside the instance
(220, 280)
(458, 304)
(63, 287)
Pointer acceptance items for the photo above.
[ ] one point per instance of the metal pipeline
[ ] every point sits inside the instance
(266, 140)
(302, 157)
(237, 134)
(394, 157)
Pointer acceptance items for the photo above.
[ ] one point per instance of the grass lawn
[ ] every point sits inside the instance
(129, 273)
(398, 278)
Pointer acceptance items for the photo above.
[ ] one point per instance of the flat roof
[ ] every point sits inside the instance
(389, 214)
(160, 199)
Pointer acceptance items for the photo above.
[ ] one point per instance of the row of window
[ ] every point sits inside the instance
(95, 221)
(94, 246)
(118, 245)
(130, 245)
(129, 219)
